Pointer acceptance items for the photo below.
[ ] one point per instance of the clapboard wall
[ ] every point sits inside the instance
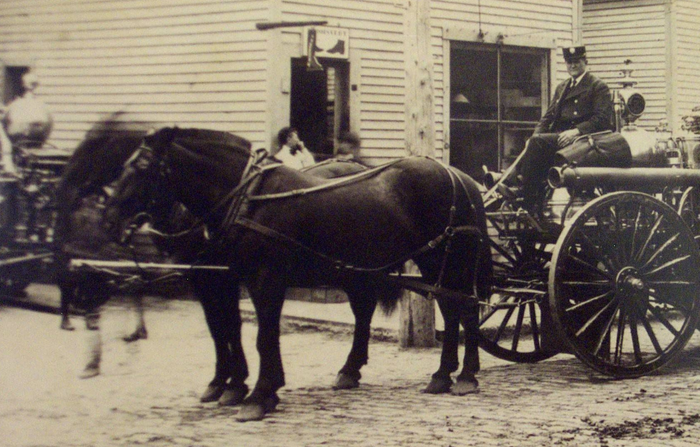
(520, 22)
(376, 47)
(662, 39)
(202, 62)
(191, 62)
(686, 46)
(377, 33)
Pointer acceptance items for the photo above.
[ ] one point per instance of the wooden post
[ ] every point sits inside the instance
(417, 314)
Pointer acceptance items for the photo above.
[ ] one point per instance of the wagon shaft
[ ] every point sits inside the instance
(24, 258)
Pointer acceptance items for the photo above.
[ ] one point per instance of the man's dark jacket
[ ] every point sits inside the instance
(588, 107)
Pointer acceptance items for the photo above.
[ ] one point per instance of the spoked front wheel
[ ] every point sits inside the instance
(623, 284)
(511, 321)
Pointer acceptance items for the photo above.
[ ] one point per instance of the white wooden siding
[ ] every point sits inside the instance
(517, 20)
(687, 56)
(376, 30)
(188, 62)
(614, 31)
(202, 63)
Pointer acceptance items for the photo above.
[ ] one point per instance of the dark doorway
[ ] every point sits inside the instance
(319, 104)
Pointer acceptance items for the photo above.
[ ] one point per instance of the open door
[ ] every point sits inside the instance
(319, 107)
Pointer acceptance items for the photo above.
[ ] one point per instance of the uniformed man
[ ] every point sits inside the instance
(581, 105)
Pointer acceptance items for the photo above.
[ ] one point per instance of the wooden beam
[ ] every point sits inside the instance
(417, 314)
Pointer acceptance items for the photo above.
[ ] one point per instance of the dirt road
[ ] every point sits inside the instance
(148, 393)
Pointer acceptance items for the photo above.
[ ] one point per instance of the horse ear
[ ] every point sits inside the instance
(161, 137)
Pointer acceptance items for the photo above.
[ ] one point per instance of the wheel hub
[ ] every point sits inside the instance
(629, 283)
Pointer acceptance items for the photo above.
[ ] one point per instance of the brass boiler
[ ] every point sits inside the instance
(28, 121)
(652, 163)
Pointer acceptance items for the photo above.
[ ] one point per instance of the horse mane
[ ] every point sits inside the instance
(208, 136)
(98, 159)
(198, 139)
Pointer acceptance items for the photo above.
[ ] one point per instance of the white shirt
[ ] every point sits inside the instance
(301, 158)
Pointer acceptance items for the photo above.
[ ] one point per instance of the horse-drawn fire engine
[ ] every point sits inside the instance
(608, 272)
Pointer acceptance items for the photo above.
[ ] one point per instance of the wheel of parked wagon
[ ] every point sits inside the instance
(689, 210)
(15, 278)
(510, 324)
(623, 284)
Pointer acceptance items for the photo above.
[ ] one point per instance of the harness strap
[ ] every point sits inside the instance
(345, 180)
(331, 161)
(340, 264)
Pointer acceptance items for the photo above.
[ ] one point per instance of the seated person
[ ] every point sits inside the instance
(291, 149)
(349, 145)
(581, 105)
(7, 165)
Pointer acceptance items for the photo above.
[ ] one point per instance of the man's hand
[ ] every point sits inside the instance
(567, 137)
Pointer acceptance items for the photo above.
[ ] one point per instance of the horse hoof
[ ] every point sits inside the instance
(438, 386)
(90, 372)
(67, 326)
(137, 335)
(251, 412)
(271, 403)
(212, 393)
(231, 397)
(345, 382)
(462, 387)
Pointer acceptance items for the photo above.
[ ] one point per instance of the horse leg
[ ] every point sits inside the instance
(140, 332)
(92, 293)
(441, 382)
(236, 389)
(466, 380)
(363, 306)
(268, 307)
(94, 339)
(219, 298)
(67, 297)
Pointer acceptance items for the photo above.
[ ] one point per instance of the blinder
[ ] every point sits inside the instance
(156, 193)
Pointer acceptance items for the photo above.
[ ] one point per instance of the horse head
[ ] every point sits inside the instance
(140, 194)
(196, 167)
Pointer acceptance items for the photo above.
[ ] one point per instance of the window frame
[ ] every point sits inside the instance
(500, 122)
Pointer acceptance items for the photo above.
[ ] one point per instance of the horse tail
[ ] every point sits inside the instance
(388, 296)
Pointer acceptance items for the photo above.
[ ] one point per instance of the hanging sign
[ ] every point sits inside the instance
(330, 42)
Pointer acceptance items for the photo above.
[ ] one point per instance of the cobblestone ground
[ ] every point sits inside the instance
(148, 393)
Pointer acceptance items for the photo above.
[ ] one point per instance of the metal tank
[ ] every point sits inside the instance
(27, 121)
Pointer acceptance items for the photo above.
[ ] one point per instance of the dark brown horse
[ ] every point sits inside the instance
(278, 227)
(96, 163)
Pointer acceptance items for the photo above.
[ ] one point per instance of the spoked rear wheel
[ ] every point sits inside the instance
(623, 284)
(689, 210)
